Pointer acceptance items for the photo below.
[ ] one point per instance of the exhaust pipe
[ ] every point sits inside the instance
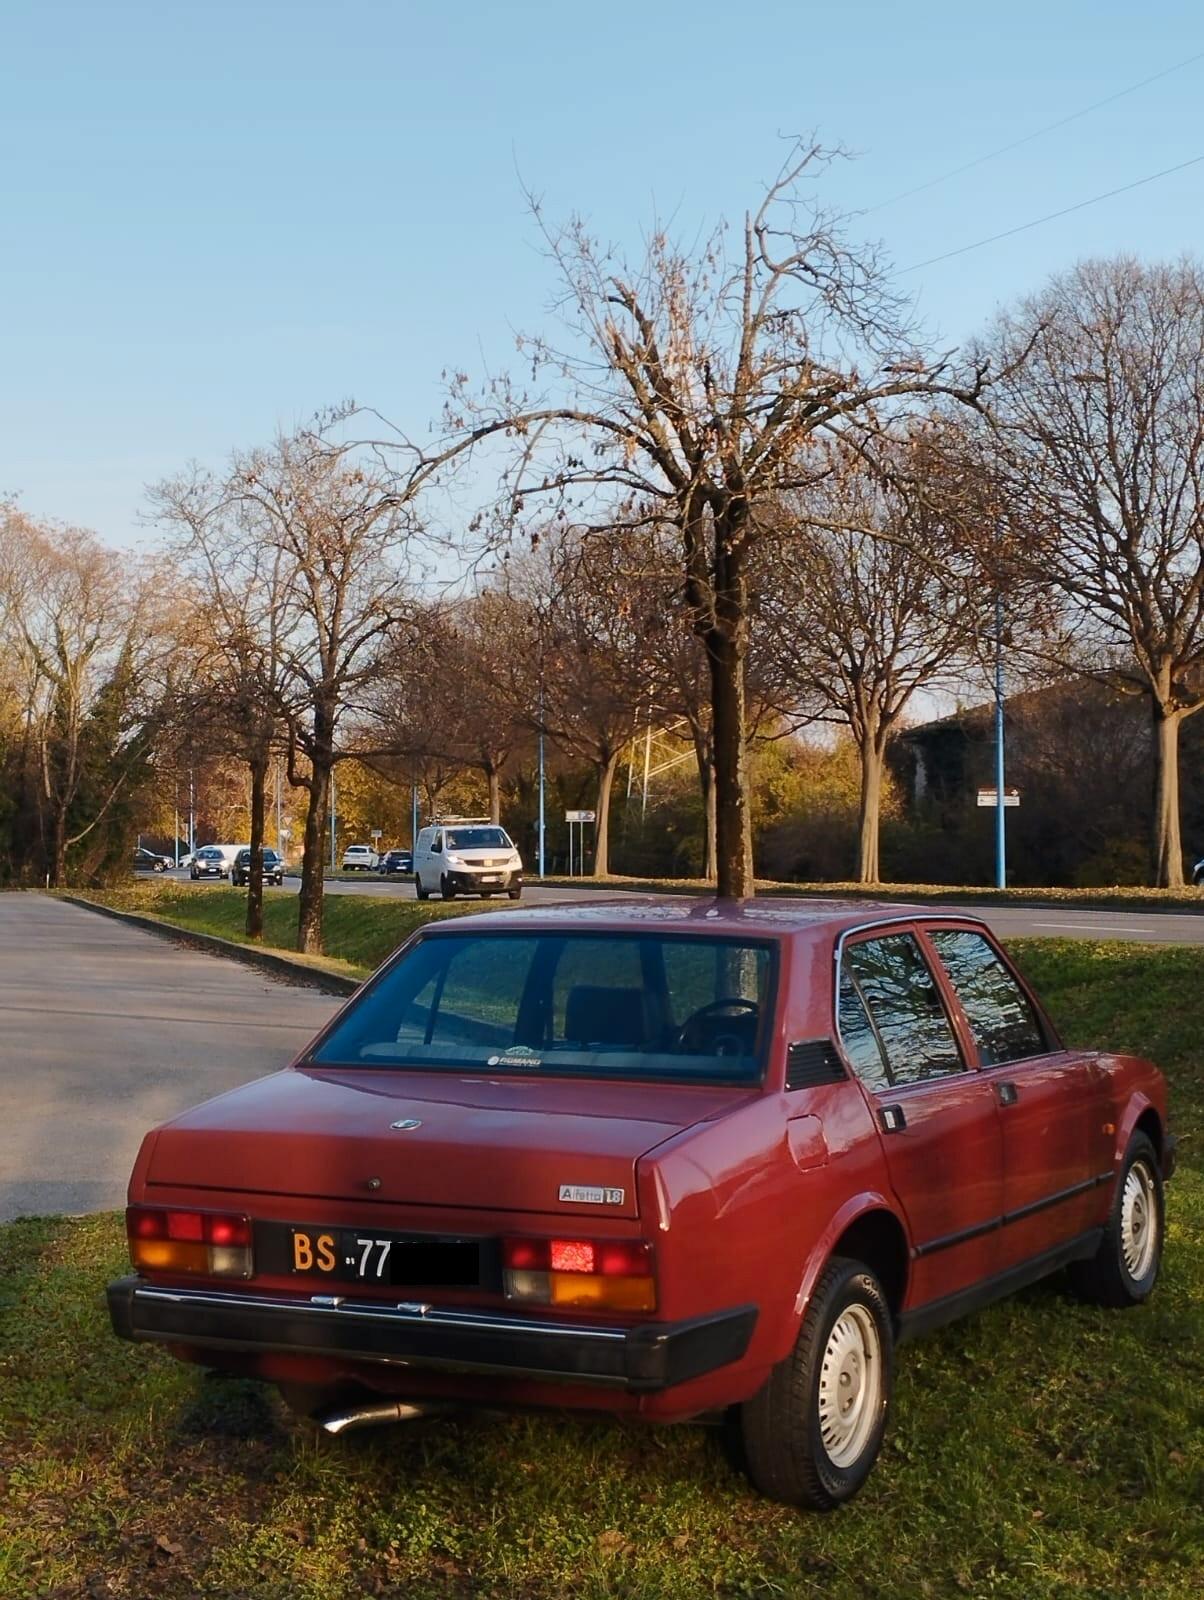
(372, 1414)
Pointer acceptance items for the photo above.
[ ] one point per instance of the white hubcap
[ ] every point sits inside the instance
(850, 1386)
(1138, 1220)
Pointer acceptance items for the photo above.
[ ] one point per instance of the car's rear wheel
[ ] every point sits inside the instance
(1124, 1269)
(516, 894)
(813, 1430)
(445, 889)
(423, 894)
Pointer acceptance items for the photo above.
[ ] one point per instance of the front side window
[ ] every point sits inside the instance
(607, 1005)
(901, 1009)
(1001, 1017)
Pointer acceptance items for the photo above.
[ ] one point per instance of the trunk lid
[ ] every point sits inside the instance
(480, 1143)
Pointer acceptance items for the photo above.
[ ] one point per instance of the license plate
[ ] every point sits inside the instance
(371, 1255)
(490, 877)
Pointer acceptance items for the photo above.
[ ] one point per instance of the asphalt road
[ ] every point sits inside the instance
(1009, 921)
(106, 1031)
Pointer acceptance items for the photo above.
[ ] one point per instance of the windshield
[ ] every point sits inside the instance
(210, 854)
(477, 839)
(595, 1005)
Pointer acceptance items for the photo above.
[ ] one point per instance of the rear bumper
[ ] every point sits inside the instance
(642, 1359)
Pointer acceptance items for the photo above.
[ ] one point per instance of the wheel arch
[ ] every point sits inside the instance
(869, 1229)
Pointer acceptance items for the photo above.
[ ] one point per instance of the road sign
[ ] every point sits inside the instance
(376, 832)
(987, 797)
(580, 816)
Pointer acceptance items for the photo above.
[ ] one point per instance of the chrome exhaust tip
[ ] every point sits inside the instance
(372, 1414)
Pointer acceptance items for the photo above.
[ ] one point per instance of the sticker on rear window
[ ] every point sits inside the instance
(585, 1195)
(518, 1055)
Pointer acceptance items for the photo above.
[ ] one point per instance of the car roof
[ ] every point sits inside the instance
(776, 918)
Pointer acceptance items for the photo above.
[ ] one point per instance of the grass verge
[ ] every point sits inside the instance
(1120, 898)
(1042, 1450)
(359, 931)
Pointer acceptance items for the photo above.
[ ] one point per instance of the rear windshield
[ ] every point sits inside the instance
(210, 853)
(593, 1005)
(477, 839)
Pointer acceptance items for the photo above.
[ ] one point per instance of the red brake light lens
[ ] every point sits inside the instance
(572, 1255)
(598, 1274)
(217, 1244)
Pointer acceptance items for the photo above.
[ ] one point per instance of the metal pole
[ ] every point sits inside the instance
(334, 822)
(191, 812)
(413, 818)
(1001, 872)
(279, 845)
(177, 836)
(541, 781)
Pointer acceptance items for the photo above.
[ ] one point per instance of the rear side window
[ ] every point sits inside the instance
(901, 1008)
(1001, 1018)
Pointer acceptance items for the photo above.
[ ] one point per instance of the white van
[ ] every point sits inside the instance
(466, 855)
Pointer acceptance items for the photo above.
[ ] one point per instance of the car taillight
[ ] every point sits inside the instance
(211, 1242)
(607, 1274)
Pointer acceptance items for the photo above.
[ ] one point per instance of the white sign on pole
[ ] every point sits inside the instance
(987, 797)
(376, 832)
(580, 816)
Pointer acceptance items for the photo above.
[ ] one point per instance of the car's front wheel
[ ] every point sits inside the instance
(422, 894)
(1124, 1269)
(445, 888)
(813, 1430)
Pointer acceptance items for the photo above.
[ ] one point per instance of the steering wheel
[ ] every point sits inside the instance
(686, 1041)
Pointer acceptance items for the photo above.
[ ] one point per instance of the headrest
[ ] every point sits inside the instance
(597, 1015)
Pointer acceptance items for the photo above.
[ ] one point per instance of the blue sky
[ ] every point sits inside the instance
(218, 217)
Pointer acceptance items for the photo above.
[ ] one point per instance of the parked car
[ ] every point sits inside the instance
(359, 858)
(1197, 874)
(185, 860)
(148, 861)
(670, 1161)
(273, 868)
(468, 855)
(396, 863)
(213, 861)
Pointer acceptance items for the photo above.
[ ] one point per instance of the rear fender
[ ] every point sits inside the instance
(787, 1323)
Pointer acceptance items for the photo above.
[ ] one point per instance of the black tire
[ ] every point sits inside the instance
(781, 1427)
(420, 892)
(445, 888)
(194, 876)
(1124, 1269)
(515, 894)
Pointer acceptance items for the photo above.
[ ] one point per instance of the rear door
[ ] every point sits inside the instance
(936, 1114)
(1046, 1096)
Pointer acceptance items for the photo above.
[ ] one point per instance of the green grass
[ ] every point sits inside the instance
(1043, 1450)
(359, 931)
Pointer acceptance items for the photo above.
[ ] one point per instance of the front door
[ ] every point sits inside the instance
(937, 1119)
(1045, 1095)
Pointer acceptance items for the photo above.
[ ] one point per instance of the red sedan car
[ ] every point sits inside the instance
(667, 1160)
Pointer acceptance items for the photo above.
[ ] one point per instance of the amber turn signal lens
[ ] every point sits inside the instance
(603, 1293)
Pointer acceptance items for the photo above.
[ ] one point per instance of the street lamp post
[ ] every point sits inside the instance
(1001, 871)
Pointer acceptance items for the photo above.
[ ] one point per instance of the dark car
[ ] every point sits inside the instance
(396, 863)
(675, 1161)
(148, 861)
(273, 868)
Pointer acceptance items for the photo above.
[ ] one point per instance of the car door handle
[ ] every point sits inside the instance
(892, 1119)
(1008, 1093)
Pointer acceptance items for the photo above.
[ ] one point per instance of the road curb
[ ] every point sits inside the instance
(279, 966)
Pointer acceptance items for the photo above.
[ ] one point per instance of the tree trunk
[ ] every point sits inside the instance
(872, 753)
(495, 794)
(733, 822)
(706, 783)
(259, 770)
(606, 778)
(1167, 839)
(58, 846)
(309, 916)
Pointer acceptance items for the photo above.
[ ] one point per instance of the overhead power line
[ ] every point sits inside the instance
(1052, 216)
(1038, 133)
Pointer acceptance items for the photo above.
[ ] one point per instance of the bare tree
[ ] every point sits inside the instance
(1100, 422)
(79, 624)
(866, 601)
(691, 385)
